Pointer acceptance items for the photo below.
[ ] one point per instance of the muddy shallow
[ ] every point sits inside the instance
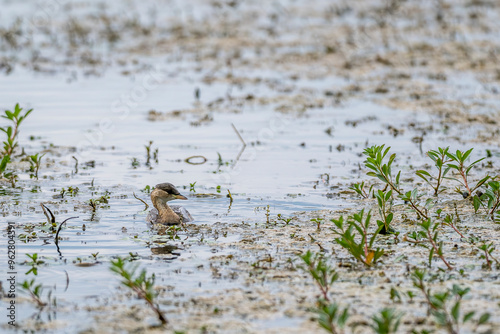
(307, 88)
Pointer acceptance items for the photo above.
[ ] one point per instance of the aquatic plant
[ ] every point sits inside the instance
(322, 273)
(429, 232)
(280, 217)
(445, 306)
(318, 222)
(34, 263)
(71, 191)
(12, 132)
(383, 171)
(3, 164)
(35, 161)
(439, 157)
(331, 317)
(387, 321)
(141, 284)
(384, 200)
(459, 159)
(96, 203)
(35, 291)
(135, 163)
(356, 228)
(191, 186)
(359, 188)
(491, 196)
(149, 150)
(448, 221)
(487, 250)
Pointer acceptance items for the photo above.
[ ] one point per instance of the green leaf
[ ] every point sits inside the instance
(468, 316)
(455, 311)
(484, 318)
(466, 154)
(420, 171)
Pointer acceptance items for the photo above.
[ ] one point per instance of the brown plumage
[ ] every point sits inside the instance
(163, 213)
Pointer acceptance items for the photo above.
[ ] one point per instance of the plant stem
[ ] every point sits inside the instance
(436, 250)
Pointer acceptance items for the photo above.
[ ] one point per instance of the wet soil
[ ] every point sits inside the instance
(307, 88)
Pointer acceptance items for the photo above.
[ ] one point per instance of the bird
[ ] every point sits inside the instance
(163, 213)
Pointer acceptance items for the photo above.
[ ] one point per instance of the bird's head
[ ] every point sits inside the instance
(166, 192)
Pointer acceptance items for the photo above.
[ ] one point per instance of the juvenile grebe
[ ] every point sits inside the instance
(165, 214)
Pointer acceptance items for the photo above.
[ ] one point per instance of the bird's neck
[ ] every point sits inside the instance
(165, 213)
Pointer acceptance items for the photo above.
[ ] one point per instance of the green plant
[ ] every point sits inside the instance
(191, 187)
(383, 171)
(35, 291)
(445, 306)
(318, 222)
(13, 131)
(459, 159)
(448, 221)
(322, 273)
(440, 161)
(357, 224)
(429, 231)
(148, 153)
(139, 283)
(97, 202)
(35, 162)
(12, 177)
(135, 163)
(359, 188)
(384, 209)
(387, 321)
(3, 164)
(492, 195)
(487, 250)
(284, 220)
(72, 191)
(34, 263)
(331, 317)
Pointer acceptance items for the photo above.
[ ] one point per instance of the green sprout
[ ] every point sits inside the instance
(35, 162)
(387, 321)
(487, 250)
(331, 317)
(384, 200)
(141, 284)
(191, 187)
(359, 188)
(318, 222)
(459, 159)
(13, 131)
(430, 233)
(35, 291)
(440, 161)
(383, 171)
(360, 248)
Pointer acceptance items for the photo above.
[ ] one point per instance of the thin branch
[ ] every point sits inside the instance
(146, 204)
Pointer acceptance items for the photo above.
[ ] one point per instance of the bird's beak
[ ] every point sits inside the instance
(180, 196)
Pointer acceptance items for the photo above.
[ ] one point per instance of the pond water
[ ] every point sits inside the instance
(302, 146)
